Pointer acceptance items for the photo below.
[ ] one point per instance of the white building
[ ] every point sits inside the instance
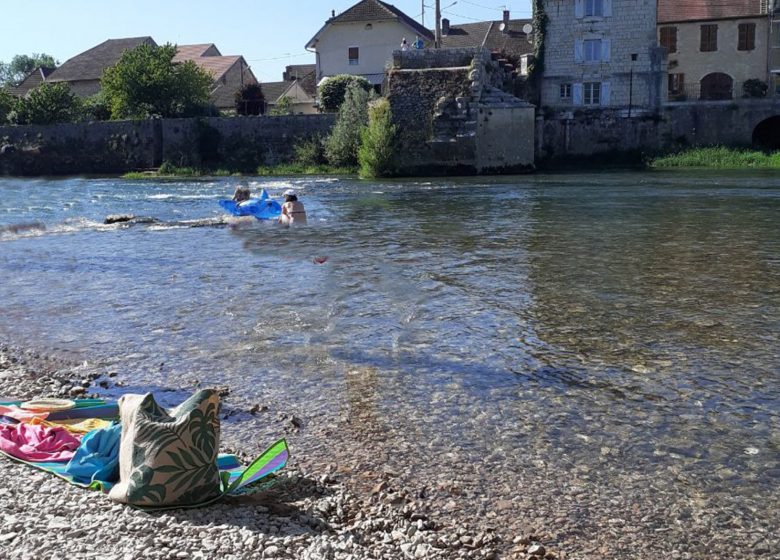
(601, 53)
(361, 40)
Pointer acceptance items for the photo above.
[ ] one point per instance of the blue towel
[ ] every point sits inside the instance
(97, 458)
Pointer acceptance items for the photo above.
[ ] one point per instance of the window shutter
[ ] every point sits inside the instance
(579, 9)
(605, 91)
(576, 94)
(607, 8)
(606, 48)
(578, 50)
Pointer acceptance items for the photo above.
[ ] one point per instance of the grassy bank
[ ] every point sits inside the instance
(718, 158)
(172, 172)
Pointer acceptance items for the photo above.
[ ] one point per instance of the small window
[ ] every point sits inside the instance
(566, 92)
(676, 85)
(669, 39)
(747, 37)
(592, 93)
(354, 56)
(709, 38)
(592, 49)
(594, 8)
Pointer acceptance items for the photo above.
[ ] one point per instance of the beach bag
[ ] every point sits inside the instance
(168, 459)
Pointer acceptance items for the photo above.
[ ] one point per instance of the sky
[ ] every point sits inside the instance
(269, 34)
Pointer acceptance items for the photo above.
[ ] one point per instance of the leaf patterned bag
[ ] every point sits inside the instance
(168, 459)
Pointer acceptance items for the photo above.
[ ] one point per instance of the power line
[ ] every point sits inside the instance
(298, 55)
(481, 6)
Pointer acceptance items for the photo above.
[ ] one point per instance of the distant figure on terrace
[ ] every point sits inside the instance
(293, 211)
(418, 43)
(404, 45)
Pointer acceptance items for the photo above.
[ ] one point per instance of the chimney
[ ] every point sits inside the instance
(333, 13)
(445, 26)
(506, 21)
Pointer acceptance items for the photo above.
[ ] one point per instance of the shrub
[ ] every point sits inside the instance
(250, 100)
(310, 152)
(378, 141)
(7, 104)
(754, 88)
(47, 104)
(333, 91)
(96, 108)
(283, 107)
(341, 147)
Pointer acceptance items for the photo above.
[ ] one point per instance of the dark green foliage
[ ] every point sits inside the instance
(250, 100)
(755, 88)
(341, 147)
(536, 71)
(7, 104)
(378, 146)
(333, 91)
(283, 107)
(96, 108)
(21, 65)
(311, 152)
(50, 103)
(146, 83)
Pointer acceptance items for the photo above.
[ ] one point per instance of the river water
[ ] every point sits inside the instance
(618, 332)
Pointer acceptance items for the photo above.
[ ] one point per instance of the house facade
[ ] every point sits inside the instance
(230, 73)
(601, 54)
(714, 48)
(361, 40)
(774, 49)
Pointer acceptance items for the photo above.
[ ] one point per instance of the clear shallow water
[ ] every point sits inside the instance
(608, 324)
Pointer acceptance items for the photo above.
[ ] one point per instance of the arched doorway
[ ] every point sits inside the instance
(716, 87)
(767, 134)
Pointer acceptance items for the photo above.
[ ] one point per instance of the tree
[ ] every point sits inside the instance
(12, 73)
(283, 107)
(7, 104)
(47, 104)
(250, 100)
(341, 147)
(377, 151)
(333, 91)
(146, 83)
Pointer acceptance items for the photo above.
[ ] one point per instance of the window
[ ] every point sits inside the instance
(669, 39)
(566, 92)
(592, 49)
(747, 37)
(592, 93)
(709, 38)
(676, 85)
(594, 8)
(354, 56)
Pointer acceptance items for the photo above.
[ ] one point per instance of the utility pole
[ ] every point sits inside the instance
(438, 24)
(423, 13)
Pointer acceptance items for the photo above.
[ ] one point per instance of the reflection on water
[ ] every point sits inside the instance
(622, 320)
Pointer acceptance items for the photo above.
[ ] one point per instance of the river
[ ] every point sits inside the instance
(614, 334)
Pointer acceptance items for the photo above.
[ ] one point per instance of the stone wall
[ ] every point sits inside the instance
(120, 146)
(428, 58)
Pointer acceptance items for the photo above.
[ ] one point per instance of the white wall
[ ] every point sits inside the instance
(376, 47)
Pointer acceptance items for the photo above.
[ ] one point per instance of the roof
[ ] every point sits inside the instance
(696, 10)
(374, 10)
(272, 91)
(90, 64)
(305, 74)
(217, 66)
(31, 81)
(188, 52)
(488, 34)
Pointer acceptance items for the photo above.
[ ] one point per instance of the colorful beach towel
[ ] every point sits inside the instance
(37, 443)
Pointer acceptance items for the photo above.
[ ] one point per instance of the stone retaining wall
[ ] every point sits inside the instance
(122, 146)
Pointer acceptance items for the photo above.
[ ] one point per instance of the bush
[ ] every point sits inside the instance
(333, 91)
(754, 88)
(283, 107)
(378, 142)
(7, 105)
(96, 108)
(47, 104)
(342, 145)
(250, 100)
(310, 152)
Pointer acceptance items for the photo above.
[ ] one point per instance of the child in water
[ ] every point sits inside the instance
(293, 211)
(242, 194)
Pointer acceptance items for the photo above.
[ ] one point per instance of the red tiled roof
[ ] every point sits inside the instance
(189, 52)
(696, 10)
(488, 34)
(216, 65)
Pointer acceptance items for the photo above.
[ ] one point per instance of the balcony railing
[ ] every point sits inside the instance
(721, 92)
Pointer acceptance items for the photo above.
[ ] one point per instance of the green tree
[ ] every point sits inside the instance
(341, 147)
(12, 73)
(250, 100)
(47, 104)
(7, 104)
(283, 107)
(333, 91)
(377, 150)
(146, 83)
(96, 108)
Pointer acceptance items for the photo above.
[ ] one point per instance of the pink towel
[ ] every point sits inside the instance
(38, 443)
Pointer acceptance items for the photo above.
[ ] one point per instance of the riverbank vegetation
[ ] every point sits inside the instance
(718, 157)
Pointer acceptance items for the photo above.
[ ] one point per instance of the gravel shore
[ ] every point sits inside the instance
(305, 514)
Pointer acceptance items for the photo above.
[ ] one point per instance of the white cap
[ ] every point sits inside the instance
(289, 192)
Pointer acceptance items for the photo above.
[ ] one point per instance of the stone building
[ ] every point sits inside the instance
(601, 53)
(774, 48)
(713, 47)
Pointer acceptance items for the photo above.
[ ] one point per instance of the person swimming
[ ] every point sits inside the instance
(242, 194)
(293, 211)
